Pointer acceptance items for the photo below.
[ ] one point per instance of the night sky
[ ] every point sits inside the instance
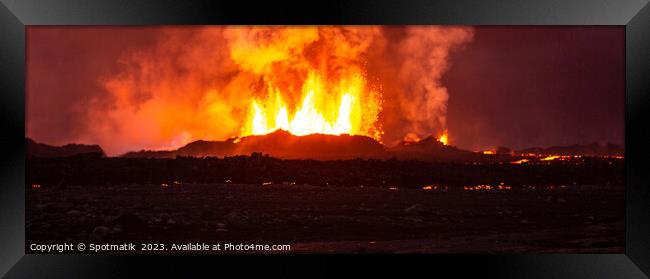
(511, 86)
(64, 69)
(521, 87)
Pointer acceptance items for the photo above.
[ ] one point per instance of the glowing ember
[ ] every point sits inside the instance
(519, 162)
(550, 158)
(489, 152)
(485, 187)
(477, 187)
(503, 186)
(435, 188)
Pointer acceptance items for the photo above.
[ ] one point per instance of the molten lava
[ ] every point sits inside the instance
(443, 138)
(344, 106)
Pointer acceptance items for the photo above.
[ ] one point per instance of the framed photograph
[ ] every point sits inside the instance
(504, 136)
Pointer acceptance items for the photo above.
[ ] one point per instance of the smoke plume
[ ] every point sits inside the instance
(198, 82)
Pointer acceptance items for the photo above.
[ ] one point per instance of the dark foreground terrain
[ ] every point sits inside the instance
(315, 219)
(559, 204)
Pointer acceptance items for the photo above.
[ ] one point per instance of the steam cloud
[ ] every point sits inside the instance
(197, 82)
(425, 58)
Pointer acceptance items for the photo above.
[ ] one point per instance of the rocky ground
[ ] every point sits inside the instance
(333, 219)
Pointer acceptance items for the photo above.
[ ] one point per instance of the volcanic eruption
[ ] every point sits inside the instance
(326, 138)
(218, 83)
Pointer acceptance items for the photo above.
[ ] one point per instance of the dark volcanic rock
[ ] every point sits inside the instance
(35, 149)
(100, 233)
(202, 148)
(282, 144)
(279, 144)
(128, 220)
(430, 149)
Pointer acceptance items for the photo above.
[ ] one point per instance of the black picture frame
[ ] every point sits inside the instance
(633, 14)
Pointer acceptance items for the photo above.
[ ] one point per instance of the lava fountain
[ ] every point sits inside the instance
(343, 106)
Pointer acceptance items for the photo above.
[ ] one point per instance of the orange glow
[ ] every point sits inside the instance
(489, 152)
(519, 162)
(36, 186)
(550, 158)
(435, 187)
(485, 187)
(504, 187)
(444, 138)
(478, 187)
(216, 83)
(341, 107)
